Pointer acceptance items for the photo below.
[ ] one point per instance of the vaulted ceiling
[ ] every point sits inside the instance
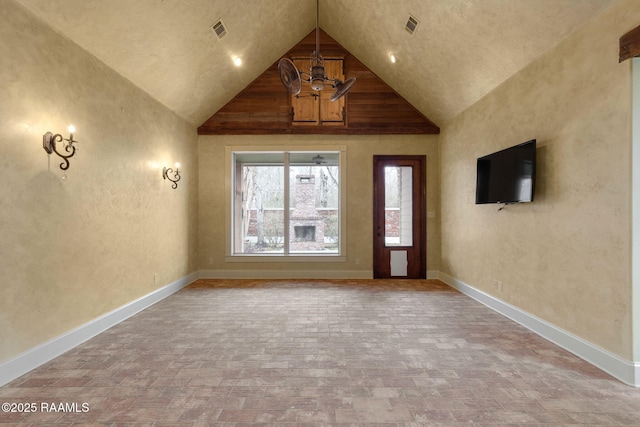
(460, 51)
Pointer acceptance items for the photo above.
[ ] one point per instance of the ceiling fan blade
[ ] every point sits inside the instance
(290, 76)
(342, 88)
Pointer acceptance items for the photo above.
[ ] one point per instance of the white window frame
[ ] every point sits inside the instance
(230, 256)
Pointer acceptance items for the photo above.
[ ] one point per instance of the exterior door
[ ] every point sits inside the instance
(399, 223)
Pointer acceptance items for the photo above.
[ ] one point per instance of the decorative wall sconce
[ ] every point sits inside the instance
(49, 143)
(167, 172)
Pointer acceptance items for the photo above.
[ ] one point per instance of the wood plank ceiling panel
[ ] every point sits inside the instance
(630, 44)
(371, 107)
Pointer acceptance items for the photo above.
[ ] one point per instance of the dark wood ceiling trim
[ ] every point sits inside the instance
(372, 107)
(630, 44)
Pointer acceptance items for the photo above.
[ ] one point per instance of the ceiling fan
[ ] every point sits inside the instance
(318, 160)
(292, 78)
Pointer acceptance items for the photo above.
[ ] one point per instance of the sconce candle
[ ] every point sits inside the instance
(166, 174)
(49, 143)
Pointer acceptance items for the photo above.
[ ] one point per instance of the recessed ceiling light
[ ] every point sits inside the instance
(237, 60)
(392, 58)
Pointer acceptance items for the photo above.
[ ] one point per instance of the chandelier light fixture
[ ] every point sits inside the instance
(292, 78)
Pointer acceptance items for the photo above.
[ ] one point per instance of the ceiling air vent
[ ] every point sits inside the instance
(411, 25)
(219, 29)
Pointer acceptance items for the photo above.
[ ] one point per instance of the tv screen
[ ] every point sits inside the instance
(507, 176)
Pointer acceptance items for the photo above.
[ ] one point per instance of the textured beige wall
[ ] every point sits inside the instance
(566, 256)
(72, 250)
(360, 151)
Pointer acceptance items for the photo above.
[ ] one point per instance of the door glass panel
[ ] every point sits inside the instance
(398, 203)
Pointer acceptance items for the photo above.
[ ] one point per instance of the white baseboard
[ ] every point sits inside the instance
(286, 274)
(625, 371)
(294, 274)
(43, 353)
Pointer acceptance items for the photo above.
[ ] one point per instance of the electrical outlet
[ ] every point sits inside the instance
(357, 261)
(210, 260)
(155, 279)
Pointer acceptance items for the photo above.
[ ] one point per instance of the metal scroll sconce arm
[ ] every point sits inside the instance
(166, 174)
(50, 145)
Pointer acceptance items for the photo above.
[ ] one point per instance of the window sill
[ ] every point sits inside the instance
(286, 258)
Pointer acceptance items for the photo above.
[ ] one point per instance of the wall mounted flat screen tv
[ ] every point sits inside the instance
(507, 176)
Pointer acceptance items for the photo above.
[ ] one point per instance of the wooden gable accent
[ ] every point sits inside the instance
(371, 106)
(630, 44)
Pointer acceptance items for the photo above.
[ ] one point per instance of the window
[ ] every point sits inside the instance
(286, 203)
